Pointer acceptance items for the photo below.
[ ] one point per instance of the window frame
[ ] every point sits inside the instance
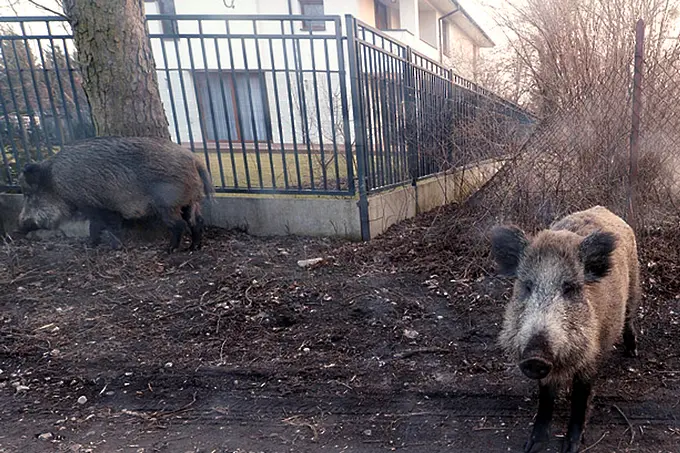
(380, 7)
(312, 25)
(228, 82)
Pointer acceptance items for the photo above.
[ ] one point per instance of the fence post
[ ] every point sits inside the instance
(412, 127)
(635, 124)
(359, 125)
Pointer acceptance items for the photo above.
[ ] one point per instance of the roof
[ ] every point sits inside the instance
(462, 19)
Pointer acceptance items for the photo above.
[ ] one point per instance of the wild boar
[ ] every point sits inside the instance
(576, 292)
(109, 179)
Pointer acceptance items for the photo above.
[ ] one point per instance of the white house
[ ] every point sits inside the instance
(440, 29)
(277, 83)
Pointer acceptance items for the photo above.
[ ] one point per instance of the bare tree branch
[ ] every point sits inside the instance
(49, 10)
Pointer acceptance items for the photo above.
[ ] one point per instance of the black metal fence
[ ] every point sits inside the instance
(285, 104)
(419, 118)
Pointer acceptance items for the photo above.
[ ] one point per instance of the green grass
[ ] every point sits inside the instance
(248, 166)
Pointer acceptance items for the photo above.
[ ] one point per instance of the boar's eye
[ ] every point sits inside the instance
(569, 289)
(527, 286)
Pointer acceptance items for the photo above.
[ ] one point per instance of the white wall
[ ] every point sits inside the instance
(463, 52)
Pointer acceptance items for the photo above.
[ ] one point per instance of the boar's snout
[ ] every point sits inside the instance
(27, 224)
(537, 361)
(535, 368)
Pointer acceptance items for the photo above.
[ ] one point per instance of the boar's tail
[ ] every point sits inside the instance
(208, 187)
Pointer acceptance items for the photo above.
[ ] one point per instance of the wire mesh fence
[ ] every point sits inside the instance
(615, 143)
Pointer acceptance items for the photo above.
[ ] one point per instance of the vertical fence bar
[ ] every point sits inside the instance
(70, 72)
(251, 107)
(211, 109)
(28, 104)
(225, 107)
(183, 89)
(10, 85)
(192, 71)
(279, 118)
(331, 105)
(303, 105)
(401, 118)
(171, 92)
(635, 124)
(344, 104)
(319, 127)
(359, 126)
(379, 109)
(5, 163)
(237, 105)
(10, 131)
(411, 117)
(50, 96)
(367, 103)
(37, 92)
(291, 104)
(60, 84)
(265, 103)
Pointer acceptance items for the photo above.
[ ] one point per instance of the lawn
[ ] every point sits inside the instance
(276, 171)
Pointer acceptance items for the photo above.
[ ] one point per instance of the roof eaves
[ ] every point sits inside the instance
(490, 42)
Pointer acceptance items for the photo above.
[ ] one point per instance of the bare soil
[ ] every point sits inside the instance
(385, 346)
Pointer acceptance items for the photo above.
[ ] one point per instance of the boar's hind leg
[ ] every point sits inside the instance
(97, 225)
(630, 337)
(195, 221)
(540, 434)
(580, 399)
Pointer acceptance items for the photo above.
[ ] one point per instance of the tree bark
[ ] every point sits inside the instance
(119, 72)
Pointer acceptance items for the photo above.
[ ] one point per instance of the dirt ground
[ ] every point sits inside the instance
(386, 346)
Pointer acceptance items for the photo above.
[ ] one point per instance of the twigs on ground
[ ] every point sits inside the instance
(630, 426)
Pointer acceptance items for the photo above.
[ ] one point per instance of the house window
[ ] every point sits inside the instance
(381, 16)
(235, 107)
(446, 39)
(312, 8)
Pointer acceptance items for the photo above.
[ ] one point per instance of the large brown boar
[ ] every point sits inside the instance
(576, 292)
(108, 179)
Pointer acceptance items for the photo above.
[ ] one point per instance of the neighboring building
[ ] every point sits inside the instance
(218, 89)
(440, 29)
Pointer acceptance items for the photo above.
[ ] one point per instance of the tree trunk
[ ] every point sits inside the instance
(119, 73)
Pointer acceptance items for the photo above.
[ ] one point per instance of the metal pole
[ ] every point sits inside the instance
(359, 126)
(635, 124)
(412, 125)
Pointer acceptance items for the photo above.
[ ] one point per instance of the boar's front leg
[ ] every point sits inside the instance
(102, 220)
(540, 434)
(580, 398)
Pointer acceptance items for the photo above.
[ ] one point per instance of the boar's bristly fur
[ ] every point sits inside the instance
(575, 295)
(108, 179)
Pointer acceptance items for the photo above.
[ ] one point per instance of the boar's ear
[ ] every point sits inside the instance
(595, 253)
(507, 246)
(32, 173)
